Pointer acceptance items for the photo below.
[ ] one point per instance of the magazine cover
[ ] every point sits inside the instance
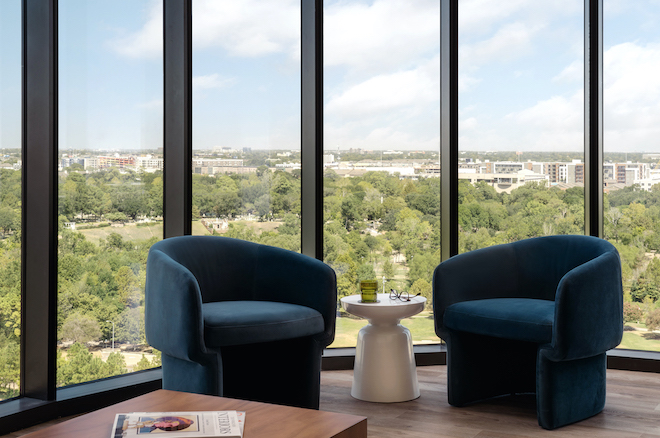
(211, 424)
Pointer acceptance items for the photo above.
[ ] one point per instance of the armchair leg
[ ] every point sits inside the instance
(569, 391)
(480, 367)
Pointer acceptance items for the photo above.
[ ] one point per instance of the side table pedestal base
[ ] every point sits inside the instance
(384, 368)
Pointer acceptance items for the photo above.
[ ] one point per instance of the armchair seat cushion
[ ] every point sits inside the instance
(229, 323)
(522, 319)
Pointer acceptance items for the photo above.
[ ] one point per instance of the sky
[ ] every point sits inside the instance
(520, 74)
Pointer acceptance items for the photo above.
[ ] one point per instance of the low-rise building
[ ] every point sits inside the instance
(504, 182)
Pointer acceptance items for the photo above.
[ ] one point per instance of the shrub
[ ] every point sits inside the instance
(653, 320)
(632, 312)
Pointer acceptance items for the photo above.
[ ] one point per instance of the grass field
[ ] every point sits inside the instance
(640, 339)
(128, 232)
(133, 232)
(423, 332)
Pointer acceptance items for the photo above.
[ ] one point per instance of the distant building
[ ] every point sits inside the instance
(220, 166)
(150, 163)
(90, 163)
(625, 173)
(575, 172)
(504, 182)
(68, 161)
(115, 161)
(217, 162)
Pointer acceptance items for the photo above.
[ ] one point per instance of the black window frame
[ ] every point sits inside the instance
(40, 400)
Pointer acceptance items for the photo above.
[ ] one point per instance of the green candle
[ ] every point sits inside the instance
(368, 289)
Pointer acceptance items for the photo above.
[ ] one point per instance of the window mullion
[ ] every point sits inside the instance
(39, 200)
(312, 128)
(593, 117)
(177, 138)
(449, 127)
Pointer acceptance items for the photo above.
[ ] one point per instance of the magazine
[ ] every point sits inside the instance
(202, 424)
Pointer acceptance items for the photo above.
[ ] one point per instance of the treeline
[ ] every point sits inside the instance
(375, 226)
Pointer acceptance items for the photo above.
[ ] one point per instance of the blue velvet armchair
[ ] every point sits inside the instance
(537, 316)
(239, 319)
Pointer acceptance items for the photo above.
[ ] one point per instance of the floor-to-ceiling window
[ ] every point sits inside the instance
(10, 197)
(380, 100)
(381, 151)
(521, 141)
(110, 183)
(631, 169)
(246, 120)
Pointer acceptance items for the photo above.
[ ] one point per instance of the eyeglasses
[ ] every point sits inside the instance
(403, 296)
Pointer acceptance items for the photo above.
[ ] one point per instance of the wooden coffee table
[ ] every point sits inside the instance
(262, 420)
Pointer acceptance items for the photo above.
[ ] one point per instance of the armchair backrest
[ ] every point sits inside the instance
(229, 269)
(224, 268)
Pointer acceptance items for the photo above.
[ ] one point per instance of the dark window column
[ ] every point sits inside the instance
(593, 117)
(177, 136)
(449, 127)
(39, 198)
(312, 128)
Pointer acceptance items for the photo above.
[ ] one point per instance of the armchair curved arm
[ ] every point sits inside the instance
(588, 310)
(479, 274)
(165, 319)
(290, 277)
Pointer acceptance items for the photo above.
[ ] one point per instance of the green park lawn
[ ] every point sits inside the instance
(640, 339)
(127, 232)
(423, 332)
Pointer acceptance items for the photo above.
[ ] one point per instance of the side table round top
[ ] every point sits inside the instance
(385, 309)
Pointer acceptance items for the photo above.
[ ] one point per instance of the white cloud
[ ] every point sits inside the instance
(632, 97)
(146, 42)
(248, 27)
(379, 138)
(245, 28)
(554, 124)
(557, 113)
(468, 124)
(574, 72)
(382, 36)
(477, 17)
(152, 104)
(511, 41)
(467, 82)
(383, 93)
(389, 111)
(211, 81)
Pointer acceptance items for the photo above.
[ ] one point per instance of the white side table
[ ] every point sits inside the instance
(384, 368)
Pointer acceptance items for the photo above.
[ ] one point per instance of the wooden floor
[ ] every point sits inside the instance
(632, 410)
